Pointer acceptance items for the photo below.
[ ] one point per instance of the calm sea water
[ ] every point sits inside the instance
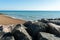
(32, 15)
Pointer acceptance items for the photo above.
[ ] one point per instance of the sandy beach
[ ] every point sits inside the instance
(5, 20)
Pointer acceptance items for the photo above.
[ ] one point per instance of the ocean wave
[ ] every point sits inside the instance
(24, 17)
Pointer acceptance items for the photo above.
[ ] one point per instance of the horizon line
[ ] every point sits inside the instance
(29, 10)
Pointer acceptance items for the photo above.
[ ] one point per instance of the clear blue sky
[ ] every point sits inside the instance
(29, 4)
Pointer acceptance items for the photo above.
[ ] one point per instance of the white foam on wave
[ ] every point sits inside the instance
(16, 17)
(26, 18)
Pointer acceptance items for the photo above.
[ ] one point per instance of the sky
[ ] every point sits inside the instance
(29, 4)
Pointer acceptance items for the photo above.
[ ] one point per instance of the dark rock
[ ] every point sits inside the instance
(42, 26)
(44, 20)
(1, 28)
(39, 20)
(58, 18)
(50, 19)
(1, 34)
(47, 36)
(34, 28)
(7, 36)
(54, 29)
(20, 33)
(27, 23)
(55, 21)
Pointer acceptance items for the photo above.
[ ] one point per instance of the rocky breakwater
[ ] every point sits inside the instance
(14, 32)
(44, 29)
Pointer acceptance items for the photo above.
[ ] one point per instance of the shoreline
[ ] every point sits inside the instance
(5, 20)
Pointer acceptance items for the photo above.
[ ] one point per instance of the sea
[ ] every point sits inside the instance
(32, 15)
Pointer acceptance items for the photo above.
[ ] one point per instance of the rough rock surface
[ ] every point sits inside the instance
(44, 29)
(20, 33)
(34, 28)
(47, 36)
(7, 36)
(54, 29)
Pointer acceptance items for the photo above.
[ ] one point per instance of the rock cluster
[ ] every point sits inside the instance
(44, 29)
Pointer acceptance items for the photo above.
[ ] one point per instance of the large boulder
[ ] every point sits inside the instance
(55, 21)
(41, 26)
(7, 36)
(43, 20)
(54, 29)
(20, 33)
(47, 36)
(1, 34)
(34, 28)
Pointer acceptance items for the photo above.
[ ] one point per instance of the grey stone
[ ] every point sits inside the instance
(1, 34)
(47, 36)
(20, 33)
(34, 28)
(54, 29)
(7, 36)
(44, 20)
(55, 21)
